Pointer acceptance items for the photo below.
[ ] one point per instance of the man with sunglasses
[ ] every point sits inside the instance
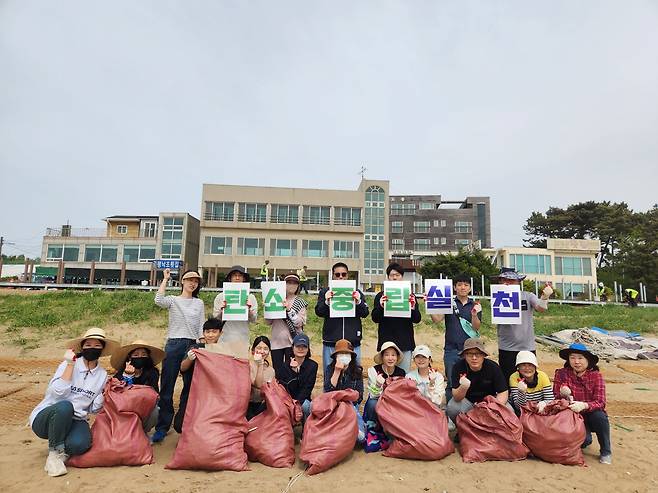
(334, 329)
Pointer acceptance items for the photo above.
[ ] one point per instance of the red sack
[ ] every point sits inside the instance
(555, 435)
(270, 439)
(117, 435)
(490, 431)
(215, 422)
(330, 431)
(419, 428)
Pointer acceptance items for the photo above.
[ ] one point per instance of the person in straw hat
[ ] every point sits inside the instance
(75, 391)
(136, 365)
(386, 365)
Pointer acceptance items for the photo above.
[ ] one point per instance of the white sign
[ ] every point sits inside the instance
(274, 295)
(236, 295)
(397, 299)
(342, 303)
(439, 296)
(506, 304)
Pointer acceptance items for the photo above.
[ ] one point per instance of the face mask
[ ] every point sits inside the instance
(140, 362)
(344, 359)
(91, 354)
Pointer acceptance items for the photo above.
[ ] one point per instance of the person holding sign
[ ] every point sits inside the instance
(292, 322)
(395, 329)
(513, 338)
(462, 323)
(242, 309)
(186, 318)
(335, 328)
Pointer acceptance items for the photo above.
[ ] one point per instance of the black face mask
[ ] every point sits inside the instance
(140, 363)
(91, 354)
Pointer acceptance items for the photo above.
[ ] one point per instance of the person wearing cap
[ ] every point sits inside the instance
(284, 330)
(334, 329)
(581, 382)
(186, 317)
(136, 364)
(299, 372)
(386, 366)
(473, 378)
(519, 337)
(236, 330)
(396, 329)
(462, 323)
(430, 382)
(345, 373)
(529, 383)
(74, 392)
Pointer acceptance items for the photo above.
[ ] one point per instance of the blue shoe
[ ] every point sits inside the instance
(158, 436)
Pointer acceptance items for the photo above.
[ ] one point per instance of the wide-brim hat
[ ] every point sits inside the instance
(387, 345)
(576, 347)
(94, 333)
(292, 277)
(241, 270)
(473, 343)
(509, 273)
(343, 346)
(526, 357)
(119, 356)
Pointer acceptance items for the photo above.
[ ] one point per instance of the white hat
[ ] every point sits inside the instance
(109, 345)
(385, 346)
(421, 350)
(526, 357)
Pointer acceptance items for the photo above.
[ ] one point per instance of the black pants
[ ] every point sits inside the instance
(507, 362)
(304, 286)
(278, 359)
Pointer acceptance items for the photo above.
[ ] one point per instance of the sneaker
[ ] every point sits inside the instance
(606, 459)
(158, 436)
(54, 465)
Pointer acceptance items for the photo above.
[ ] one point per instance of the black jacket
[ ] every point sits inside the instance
(149, 376)
(394, 329)
(334, 329)
(299, 385)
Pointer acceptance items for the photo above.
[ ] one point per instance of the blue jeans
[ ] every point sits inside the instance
(306, 410)
(326, 355)
(56, 424)
(450, 358)
(369, 412)
(597, 422)
(361, 437)
(175, 351)
(405, 364)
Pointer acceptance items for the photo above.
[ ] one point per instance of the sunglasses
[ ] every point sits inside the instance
(340, 274)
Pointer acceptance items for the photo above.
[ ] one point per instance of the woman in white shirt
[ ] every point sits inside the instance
(430, 382)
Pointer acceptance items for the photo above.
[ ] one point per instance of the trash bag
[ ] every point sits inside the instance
(117, 435)
(490, 431)
(419, 428)
(270, 439)
(215, 422)
(554, 435)
(330, 431)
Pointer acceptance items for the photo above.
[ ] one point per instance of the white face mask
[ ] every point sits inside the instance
(344, 359)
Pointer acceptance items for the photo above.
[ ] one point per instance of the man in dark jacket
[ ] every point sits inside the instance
(334, 329)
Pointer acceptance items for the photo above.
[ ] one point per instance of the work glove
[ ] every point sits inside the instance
(464, 381)
(522, 386)
(191, 355)
(380, 380)
(541, 405)
(578, 406)
(69, 356)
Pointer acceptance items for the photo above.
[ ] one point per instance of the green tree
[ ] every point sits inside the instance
(473, 264)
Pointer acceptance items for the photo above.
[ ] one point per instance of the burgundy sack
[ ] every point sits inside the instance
(490, 431)
(419, 428)
(330, 431)
(215, 422)
(270, 439)
(554, 435)
(117, 435)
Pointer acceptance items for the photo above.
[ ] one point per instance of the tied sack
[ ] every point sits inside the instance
(330, 431)
(418, 427)
(554, 435)
(490, 431)
(117, 435)
(270, 439)
(215, 423)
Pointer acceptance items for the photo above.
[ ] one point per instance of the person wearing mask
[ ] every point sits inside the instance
(299, 372)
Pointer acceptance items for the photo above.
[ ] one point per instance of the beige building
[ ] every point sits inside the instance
(293, 227)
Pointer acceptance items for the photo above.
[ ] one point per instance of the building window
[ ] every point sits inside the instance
(443, 223)
(397, 244)
(252, 213)
(377, 195)
(284, 214)
(217, 245)
(315, 248)
(402, 209)
(251, 246)
(463, 226)
(444, 240)
(531, 264)
(68, 253)
(462, 242)
(100, 253)
(347, 216)
(122, 229)
(148, 229)
(396, 226)
(422, 244)
(283, 248)
(219, 211)
(573, 266)
(436, 241)
(436, 223)
(570, 289)
(138, 253)
(424, 206)
(172, 237)
(54, 252)
(374, 239)
(315, 214)
(421, 226)
(346, 249)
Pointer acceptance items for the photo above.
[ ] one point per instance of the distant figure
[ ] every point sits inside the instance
(303, 280)
(601, 291)
(265, 271)
(630, 296)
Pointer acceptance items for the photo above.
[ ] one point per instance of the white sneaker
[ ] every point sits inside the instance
(54, 464)
(606, 459)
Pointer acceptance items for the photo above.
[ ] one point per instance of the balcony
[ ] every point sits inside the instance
(338, 221)
(209, 216)
(64, 232)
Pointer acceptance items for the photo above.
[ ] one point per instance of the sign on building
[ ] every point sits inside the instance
(172, 264)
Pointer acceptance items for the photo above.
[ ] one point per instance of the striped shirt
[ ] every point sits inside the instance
(543, 391)
(186, 316)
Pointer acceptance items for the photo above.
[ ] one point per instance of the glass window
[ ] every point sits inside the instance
(421, 226)
(55, 252)
(443, 223)
(463, 226)
(108, 253)
(426, 206)
(219, 211)
(131, 253)
(92, 253)
(315, 214)
(146, 253)
(171, 250)
(346, 249)
(587, 266)
(444, 240)
(283, 248)
(422, 244)
(436, 241)
(217, 245)
(315, 248)
(285, 214)
(347, 216)
(149, 229)
(396, 226)
(122, 229)
(71, 253)
(251, 246)
(462, 242)
(436, 223)
(397, 243)
(375, 194)
(252, 213)
(401, 208)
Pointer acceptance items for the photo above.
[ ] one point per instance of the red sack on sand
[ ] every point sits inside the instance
(330, 431)
(117, 435)
(215, 422)
(419, 428)
(270, 439)
(490, 431)
(555, 435)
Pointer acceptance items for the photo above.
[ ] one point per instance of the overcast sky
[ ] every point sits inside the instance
(128, 107)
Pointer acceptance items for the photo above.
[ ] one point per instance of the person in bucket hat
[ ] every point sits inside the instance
(582, 383)
(430, 382)
(75, 391)
(386, 366)
(529, 383)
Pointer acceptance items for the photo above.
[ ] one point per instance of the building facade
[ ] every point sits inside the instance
(294, 227)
